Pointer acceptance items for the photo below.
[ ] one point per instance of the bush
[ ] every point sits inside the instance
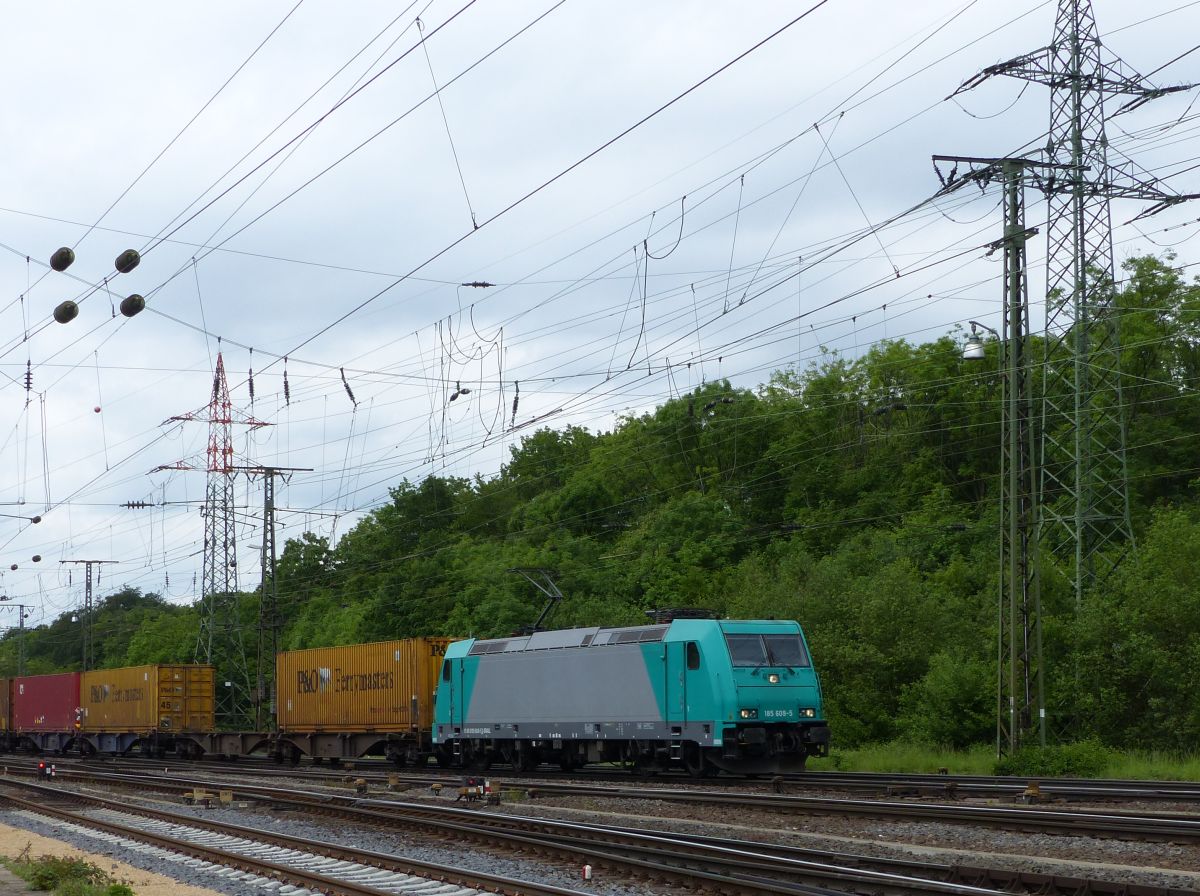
(65, 876)
(1086, 759)
(952, 705)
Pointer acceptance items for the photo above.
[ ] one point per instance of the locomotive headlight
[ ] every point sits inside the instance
(748, 713)
(773, 678)
(808, 713)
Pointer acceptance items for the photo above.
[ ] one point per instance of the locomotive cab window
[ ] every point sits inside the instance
(693, 655)
(766, 650)
(446, 671)
(786, 650)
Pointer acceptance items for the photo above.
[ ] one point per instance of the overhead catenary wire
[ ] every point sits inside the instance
(644, 277)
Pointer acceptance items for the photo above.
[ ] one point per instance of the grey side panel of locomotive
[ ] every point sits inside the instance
(587, 684)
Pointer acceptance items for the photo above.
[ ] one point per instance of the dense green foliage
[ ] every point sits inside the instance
(64, 876)
(858, 495)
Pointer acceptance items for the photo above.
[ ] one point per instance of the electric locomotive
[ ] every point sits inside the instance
(704, 695)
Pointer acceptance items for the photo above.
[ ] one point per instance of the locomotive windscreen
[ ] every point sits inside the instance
(766, 650)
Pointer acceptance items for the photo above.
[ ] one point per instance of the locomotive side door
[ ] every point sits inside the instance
(447, 683)
(675, 685)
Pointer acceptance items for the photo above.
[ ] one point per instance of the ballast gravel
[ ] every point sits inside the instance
(456, 855)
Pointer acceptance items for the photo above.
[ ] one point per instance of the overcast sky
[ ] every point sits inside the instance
(299, 188)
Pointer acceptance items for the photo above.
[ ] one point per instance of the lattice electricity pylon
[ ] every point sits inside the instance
(220, 641)
(1084, 483)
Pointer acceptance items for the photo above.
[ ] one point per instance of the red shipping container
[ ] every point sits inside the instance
(45, 702)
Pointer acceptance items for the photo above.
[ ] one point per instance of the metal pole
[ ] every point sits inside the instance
(269, 621)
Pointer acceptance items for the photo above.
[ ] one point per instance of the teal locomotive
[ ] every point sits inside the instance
(703, 695)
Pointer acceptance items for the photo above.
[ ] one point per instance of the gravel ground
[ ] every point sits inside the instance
(1151, 863)
(1147, 863)
(468, 856)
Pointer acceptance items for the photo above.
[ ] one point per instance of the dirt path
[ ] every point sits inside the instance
(144, 883)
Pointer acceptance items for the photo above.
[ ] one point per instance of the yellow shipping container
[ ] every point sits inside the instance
(164, 698)
(386, 686)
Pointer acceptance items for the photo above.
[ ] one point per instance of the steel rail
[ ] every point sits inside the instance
(1158, 826)
(744, 883)
(730, 855)
(324, 883)
(895, 784)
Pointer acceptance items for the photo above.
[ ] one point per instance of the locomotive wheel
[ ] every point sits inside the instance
(521, 758)
(477, 760)
(693, 760)
(527, 758)
(637, 761)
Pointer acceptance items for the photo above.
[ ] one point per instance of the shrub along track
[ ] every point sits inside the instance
(697, 862)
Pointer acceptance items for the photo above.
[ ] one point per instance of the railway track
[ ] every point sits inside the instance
(255, 860)
(998, 786)
(1173, 827)
(261, 860)
(697, 862)
(879, 783)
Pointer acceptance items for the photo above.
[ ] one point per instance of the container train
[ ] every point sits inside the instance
(153, 708)
(697, 694)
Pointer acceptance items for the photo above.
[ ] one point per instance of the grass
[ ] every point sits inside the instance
(63, 876)
(1154, 766)
(901, 757)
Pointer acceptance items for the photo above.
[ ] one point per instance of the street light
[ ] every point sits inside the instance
(973, 349)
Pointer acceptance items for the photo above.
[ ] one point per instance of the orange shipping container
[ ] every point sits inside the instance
(6, 702)
(165, 698)
(386, 686)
